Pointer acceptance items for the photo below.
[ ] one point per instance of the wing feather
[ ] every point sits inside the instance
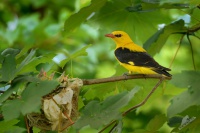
(142, 59)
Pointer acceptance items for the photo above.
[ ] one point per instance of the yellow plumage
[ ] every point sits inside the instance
(133, 57)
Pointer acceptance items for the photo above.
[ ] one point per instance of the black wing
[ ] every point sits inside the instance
(143, 59)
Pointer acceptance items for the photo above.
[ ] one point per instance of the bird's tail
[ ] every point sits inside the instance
(164, 71)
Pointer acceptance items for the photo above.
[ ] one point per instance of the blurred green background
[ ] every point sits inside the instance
(61, 31)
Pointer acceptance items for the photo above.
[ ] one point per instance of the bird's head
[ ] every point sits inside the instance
(120, 37)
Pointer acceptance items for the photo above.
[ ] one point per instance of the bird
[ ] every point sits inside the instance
(135, 58)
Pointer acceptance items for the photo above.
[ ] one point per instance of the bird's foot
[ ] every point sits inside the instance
(126, 74)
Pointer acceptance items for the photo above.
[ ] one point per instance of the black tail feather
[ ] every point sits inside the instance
(164, 72)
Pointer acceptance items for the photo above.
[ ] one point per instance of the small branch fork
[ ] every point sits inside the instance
(119, 78)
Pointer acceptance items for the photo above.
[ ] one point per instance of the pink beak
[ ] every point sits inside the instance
(110, 35)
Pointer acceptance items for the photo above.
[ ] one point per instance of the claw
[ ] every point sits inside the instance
(126, 75)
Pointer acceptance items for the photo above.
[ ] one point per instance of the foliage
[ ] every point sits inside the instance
(68, 36)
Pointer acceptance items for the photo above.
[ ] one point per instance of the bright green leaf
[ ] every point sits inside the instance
(190, 80)
(97, 113)
(76, 19)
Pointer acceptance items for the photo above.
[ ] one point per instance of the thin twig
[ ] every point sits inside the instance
(124, 77)
(179, 45)
(138, 105)
(115, 121)
(145, 100)
(191, 51)
(196, 36)
(113, 128)
(29, 129)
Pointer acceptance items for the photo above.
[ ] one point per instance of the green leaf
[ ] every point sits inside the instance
(190, 112)
(98, 113)
(26, 60)
(115, 16)
(75, 20)
(81, 52)
(35, 62)
(32, 94)
(23, 51)
(9, 127)
(156, 123)
(16, 85)
(148, 6)
(118, 128)
(189, 126)
(155, 43)
(175, 121)
(8, 64)
(10, 51)
(11, 109)
(190, 80)
(7, 93)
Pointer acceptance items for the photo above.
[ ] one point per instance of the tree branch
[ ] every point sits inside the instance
(145, 100)
(161, 78)
(124, 77)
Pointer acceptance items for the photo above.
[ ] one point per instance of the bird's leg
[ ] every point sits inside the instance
(144, 75)
(126, 74)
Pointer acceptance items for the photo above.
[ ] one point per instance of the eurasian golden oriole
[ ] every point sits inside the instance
(133, 57)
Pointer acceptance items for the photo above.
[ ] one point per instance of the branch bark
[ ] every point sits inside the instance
(124, 77)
